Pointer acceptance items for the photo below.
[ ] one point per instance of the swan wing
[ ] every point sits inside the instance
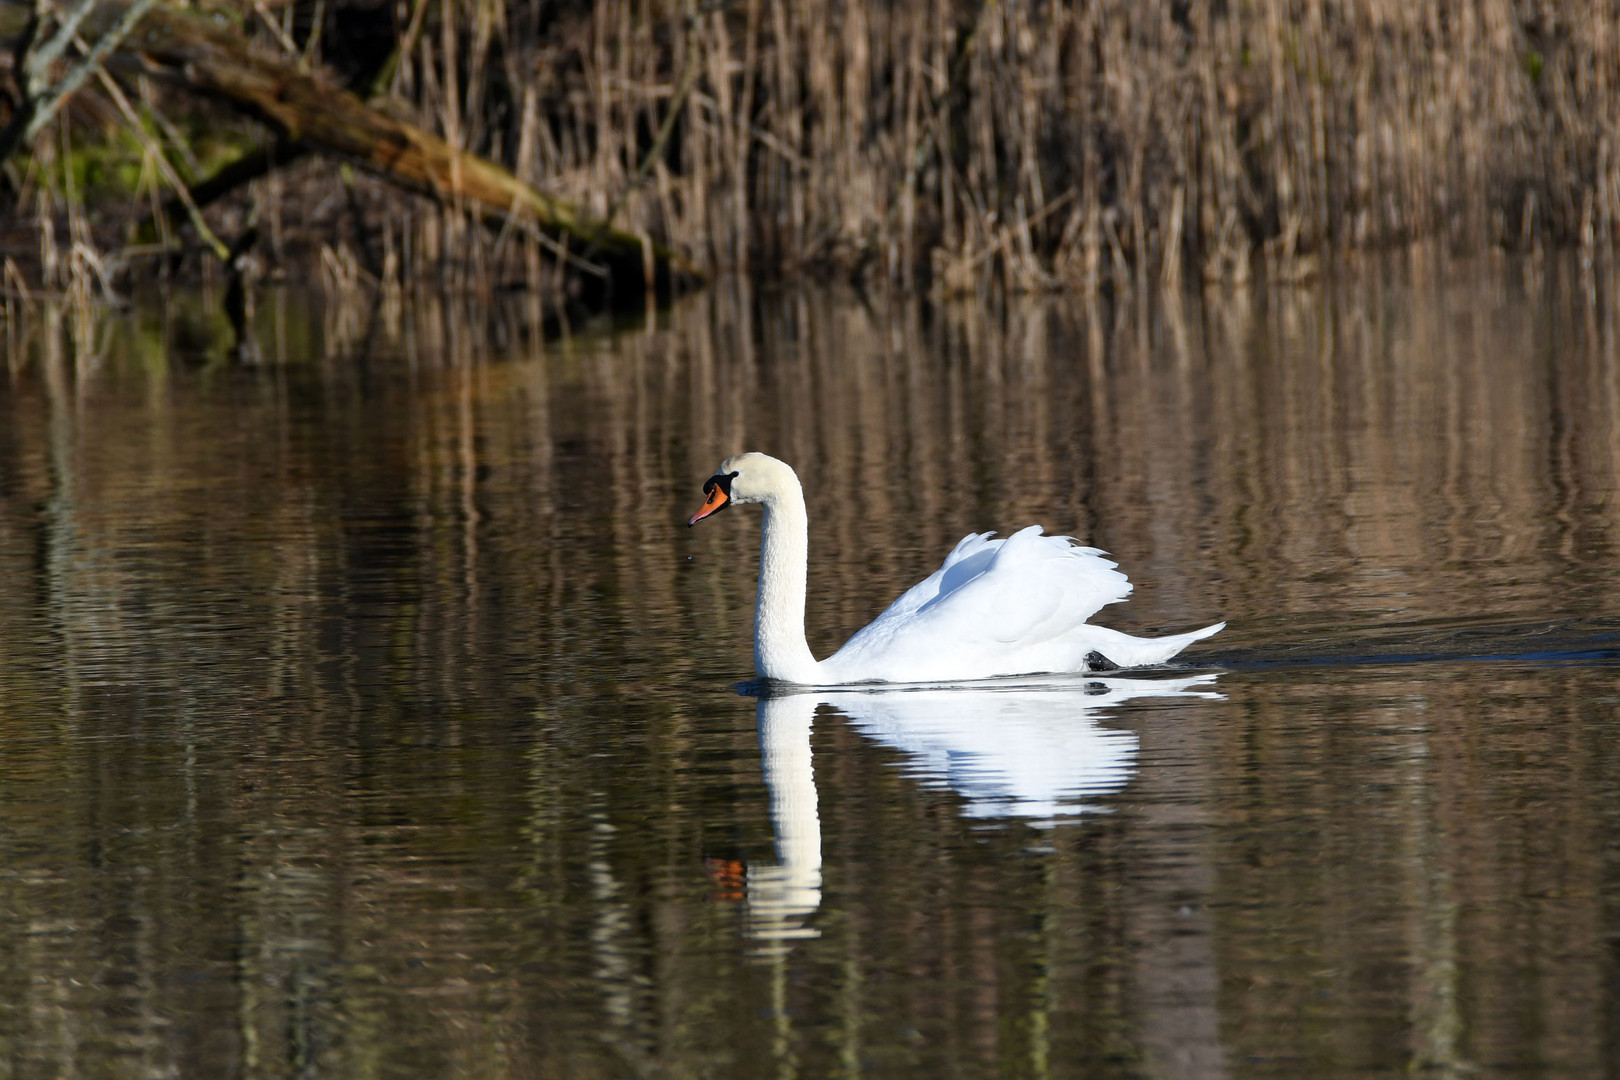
(969, 557)
(1033, 588)
(994, 603)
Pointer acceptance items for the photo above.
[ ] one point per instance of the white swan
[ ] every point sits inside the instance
(1012, 606)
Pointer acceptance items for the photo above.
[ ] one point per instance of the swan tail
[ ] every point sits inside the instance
(1124, 651)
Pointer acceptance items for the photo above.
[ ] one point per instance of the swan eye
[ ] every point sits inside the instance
(721, 481)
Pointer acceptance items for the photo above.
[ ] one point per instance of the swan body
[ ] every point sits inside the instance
(999, 606)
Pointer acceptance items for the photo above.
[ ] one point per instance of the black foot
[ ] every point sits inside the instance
(1096, 661)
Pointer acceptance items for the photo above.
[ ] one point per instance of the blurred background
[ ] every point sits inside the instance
(367, 708)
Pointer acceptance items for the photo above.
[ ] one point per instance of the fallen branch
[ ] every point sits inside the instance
(244, 170)
(210, 59)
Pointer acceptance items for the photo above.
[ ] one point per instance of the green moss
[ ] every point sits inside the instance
(1535, 65)
(107, 167)
(216, 146)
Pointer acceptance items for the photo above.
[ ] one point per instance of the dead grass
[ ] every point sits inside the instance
(1044, 145)
(1025, 145)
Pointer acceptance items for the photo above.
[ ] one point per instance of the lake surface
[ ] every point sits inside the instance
(369, 710)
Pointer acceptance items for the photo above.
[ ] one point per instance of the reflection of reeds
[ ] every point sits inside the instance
(1459, 443)
(390, 627)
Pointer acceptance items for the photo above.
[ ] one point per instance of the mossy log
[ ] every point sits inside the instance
(209, 56)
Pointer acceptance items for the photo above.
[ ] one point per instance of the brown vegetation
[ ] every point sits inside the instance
(1085, 144)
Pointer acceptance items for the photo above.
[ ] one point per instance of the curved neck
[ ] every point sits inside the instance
(780, 651)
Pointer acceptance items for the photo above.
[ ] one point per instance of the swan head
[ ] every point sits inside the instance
(746, 478)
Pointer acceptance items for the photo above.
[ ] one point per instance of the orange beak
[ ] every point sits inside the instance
(716, 502)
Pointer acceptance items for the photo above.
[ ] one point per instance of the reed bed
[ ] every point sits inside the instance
(1043, 144)
(1083, 144)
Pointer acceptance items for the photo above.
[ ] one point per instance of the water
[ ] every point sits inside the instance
(371, 711)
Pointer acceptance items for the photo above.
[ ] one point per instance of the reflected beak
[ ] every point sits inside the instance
(716, 502)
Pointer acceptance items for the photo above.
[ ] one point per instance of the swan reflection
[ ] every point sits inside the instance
(1037, 752)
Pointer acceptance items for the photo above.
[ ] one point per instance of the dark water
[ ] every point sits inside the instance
(370, 711)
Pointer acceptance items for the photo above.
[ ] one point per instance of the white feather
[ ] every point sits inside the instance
(995, 607)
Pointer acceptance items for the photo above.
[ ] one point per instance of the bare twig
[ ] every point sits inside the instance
(41, 102)
(287, 44)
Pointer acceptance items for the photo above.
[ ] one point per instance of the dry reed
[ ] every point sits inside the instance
(1033, 145)
(1042, 144)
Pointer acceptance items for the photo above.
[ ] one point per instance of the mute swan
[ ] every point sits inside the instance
(1013, 606)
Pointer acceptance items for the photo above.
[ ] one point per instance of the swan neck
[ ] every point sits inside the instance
(780, 651)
